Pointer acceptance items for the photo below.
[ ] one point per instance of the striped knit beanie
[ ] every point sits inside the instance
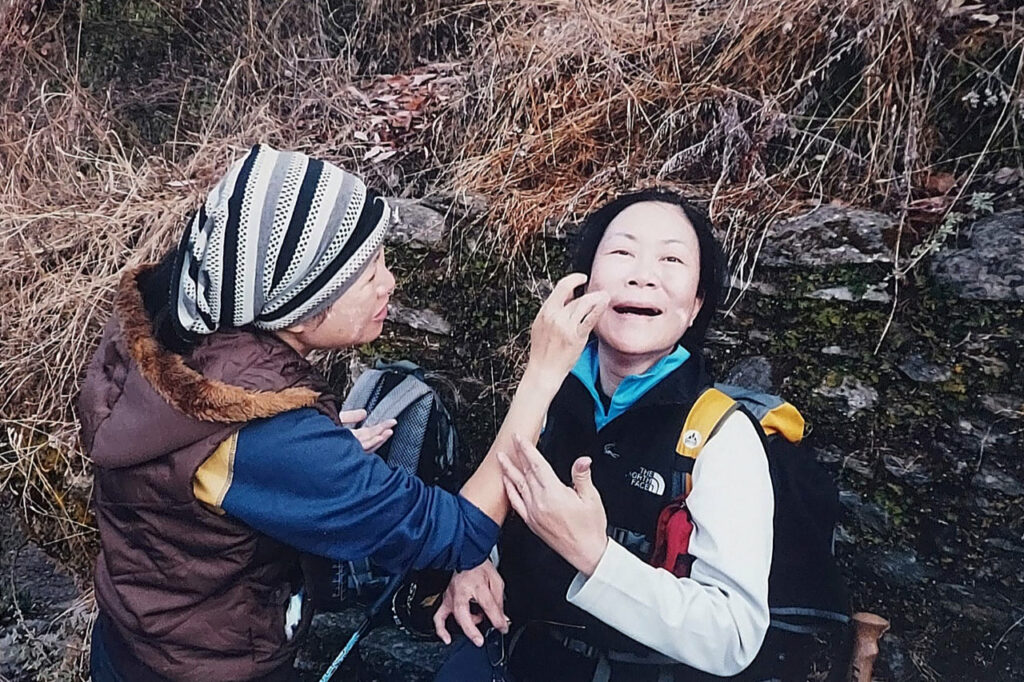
(279, 239)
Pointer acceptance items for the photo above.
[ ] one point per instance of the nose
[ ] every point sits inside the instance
(641, 277)
(387, 283)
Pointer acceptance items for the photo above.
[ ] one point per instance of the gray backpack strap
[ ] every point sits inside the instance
(408, 391)
(359, 397)
(407, 440)
(758, 402)
(406, 399)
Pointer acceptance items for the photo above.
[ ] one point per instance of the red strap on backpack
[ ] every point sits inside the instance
(672, 539)
(672, 536)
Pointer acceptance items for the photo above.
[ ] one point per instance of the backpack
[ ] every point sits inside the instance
(806, 594)
(424, 443)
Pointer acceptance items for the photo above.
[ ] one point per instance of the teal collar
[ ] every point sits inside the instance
(632, 388)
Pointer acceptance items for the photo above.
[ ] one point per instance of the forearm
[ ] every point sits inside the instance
(526, 417)
(717, 628)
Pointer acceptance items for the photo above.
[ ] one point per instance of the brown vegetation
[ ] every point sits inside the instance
(116, 116)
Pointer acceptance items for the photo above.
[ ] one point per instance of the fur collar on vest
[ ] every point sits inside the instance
(185, 389)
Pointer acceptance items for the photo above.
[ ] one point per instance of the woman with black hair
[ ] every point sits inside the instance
(584, 601)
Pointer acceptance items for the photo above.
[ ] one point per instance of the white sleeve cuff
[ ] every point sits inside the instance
(615, 566)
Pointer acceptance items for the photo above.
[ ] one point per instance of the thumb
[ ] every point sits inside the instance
(581, 480)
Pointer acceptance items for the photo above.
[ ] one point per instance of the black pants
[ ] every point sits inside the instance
(533, 655)
(101, 667)
(530, 655)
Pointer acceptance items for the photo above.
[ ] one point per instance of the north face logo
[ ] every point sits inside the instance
(648, 480)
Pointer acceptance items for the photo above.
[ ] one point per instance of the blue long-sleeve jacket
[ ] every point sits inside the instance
(302, 479)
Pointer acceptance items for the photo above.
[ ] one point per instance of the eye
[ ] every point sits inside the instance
(673, 259)
(377, 262)
(619, 252)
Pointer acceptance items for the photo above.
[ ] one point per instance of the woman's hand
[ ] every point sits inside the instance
(370, 437)
(562, 327)
(571, 521)
(481, 585)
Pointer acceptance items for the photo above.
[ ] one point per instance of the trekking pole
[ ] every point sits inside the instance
(364, 626)
(868, 628)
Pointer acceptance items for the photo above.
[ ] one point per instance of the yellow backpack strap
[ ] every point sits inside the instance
(784, 420)
(707, 413)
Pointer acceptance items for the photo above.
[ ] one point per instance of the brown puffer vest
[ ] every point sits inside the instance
(190, 594)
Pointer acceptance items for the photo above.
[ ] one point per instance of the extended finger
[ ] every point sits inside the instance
(509, 477)
(379, 440)
(532, 463)
(586, 310)
(363, 435)
(496, 589)
(367, 432)
(440, 627)
(565, 289)
(511, 471)
(351, 416)
(485, 599)
(383, 427)
(467, 622)
(515, 500)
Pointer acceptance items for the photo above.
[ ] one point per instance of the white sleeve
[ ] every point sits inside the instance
(716, 619)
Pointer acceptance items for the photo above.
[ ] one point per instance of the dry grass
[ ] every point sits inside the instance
(545, 108)
(755, 104)
(80, 199)
(760, 107)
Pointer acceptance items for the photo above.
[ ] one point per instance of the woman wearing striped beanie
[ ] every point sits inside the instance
(219, 454)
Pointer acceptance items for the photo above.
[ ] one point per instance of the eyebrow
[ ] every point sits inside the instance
(632, 238)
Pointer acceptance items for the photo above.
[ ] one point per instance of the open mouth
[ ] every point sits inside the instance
(643, 311)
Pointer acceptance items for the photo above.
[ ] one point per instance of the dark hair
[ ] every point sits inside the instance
(158, 287)
(712, 261)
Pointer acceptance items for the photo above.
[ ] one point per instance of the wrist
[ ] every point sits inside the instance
(589, 563)
(537, 378)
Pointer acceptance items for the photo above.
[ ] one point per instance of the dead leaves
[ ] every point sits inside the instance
(940, 183)
(933, 199)
(395, 109)
(1008, 176)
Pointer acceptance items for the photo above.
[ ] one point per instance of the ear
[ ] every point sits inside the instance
(698, 305)
(308, 324)
(298, 328)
